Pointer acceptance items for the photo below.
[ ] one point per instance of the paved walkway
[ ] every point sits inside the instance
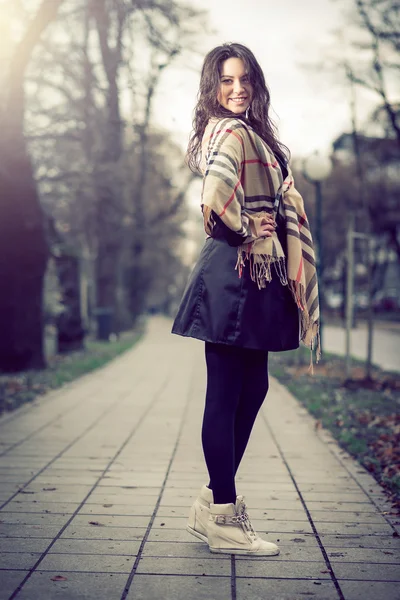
(385, 349)
(97, 479)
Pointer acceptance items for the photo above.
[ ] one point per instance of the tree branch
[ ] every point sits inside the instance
(46, 13)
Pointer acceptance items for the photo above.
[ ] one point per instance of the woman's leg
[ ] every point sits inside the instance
(254, 390)
(224, 386)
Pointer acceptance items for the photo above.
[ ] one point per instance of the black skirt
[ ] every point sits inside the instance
(221, 307)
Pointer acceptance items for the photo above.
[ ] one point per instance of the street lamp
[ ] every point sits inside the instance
(316, 168)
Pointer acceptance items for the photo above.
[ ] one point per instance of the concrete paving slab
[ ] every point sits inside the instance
(370, 590)
(41, 507)
(28, 531)
(104, 498)
(24, 544)
(60, 480)
(176, 549)
(330, 507)
(103, 533)
(328, 487)
(24, 560)
(53, 496)
(360, 541)
(154, 587)
(9, 582)
(284, 589)
(364, 555)
(383, 529)
(132, 482)
(97, 563)
(34, 518)
(110, 547)
(4, 497)
(79, 586)
(282, 569)
(219, 565)
(367, 571)
(59, 466)
(130, 491)
(11, 486)
(350, 497)
(348, 517)
(111, 521)
(12, 462)
(116, 509)
(172, 535)
(11, 482)
(41, 487)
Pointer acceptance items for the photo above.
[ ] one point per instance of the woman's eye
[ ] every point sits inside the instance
(226, 81)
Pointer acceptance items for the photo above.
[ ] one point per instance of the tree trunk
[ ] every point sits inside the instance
(23, 252)
(23, 247)
(107, 178)
(70, 333)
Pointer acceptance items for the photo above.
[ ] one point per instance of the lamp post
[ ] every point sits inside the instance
(316, 168)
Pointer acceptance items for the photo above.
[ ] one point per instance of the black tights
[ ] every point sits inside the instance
(237, 383)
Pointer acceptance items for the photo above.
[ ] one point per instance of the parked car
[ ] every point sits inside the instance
(387, 300)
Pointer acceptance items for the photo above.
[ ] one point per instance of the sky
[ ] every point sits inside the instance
(310, 108)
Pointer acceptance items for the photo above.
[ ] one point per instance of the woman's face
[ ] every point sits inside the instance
(235, 90)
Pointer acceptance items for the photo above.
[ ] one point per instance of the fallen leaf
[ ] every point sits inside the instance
(58, 578)
(96, 523)
(49, 489)
(107, 505)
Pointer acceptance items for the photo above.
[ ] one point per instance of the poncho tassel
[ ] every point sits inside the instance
(260, 267)
(309, 332)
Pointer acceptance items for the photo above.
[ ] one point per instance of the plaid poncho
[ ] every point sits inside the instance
(242, 183)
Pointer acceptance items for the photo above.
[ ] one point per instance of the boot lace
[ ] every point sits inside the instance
(244, 518)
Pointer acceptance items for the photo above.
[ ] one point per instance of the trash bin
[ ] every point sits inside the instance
(104, 316)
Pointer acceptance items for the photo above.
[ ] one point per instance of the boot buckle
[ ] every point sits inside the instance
(220, 519)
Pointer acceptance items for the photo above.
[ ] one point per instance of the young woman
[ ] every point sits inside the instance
(253, 289)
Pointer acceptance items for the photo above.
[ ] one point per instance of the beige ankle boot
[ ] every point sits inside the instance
(229, 531)
(199, 514)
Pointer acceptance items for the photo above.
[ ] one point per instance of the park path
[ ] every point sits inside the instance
(96, 481)
(385, 349)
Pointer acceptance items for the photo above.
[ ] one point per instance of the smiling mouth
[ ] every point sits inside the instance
(238, 100)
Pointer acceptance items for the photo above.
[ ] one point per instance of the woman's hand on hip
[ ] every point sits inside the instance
(265, 226)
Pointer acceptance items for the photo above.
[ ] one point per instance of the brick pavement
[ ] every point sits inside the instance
(97, 478)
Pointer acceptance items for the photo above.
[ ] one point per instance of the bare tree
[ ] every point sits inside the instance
(380, 19)
(92, 161)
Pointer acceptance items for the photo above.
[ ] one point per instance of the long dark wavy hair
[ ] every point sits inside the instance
(208, 105)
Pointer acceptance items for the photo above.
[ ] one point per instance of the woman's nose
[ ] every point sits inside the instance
(237, 86)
